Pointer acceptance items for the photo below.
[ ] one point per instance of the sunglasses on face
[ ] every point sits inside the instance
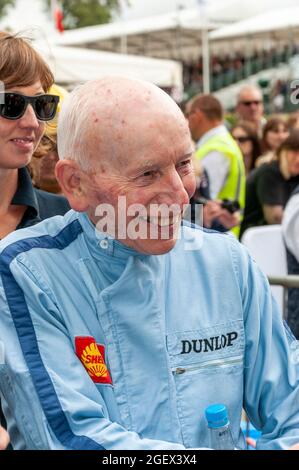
(249, 103)
(14, 105)
(242, 139)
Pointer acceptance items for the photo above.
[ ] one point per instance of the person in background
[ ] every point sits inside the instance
(270, 186)
(214, 216)
(274, 133)
(290, 228)
(246, 137)
(218, 153)
(4, 438)
(293, 120)
(250, 107)
(45, 157)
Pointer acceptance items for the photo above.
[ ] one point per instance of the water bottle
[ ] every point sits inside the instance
(219, 428)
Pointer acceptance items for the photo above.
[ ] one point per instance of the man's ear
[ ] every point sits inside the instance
(72, 183)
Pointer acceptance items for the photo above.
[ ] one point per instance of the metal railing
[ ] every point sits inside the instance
(287, 282)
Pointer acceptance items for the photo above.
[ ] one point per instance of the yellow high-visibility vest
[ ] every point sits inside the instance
(234, 187)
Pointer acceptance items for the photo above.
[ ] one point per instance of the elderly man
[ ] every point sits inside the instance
(120, 325)
(250, 106)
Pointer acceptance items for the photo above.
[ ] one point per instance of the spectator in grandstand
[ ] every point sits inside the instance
(45, 157)
(269, 187)
(216, 149)
(290, 227)
(246, 137)
(250, 107)
(275, 132)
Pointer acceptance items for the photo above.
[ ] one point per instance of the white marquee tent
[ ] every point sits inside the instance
(281, 23)
(72, 65)
(175, 35)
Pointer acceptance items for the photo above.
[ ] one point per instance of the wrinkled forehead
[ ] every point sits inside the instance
(130, 117)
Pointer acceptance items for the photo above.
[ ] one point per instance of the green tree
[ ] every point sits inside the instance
(80, 13)
(4, 4)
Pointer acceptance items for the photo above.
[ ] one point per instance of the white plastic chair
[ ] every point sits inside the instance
(266, 246)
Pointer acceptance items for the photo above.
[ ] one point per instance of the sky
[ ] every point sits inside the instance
(31, 12)
(141, 8)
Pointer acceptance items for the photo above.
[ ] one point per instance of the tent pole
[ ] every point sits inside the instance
(205, 60)
(205, 47)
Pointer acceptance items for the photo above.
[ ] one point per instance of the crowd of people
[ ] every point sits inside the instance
(227, 68)
(107, 345)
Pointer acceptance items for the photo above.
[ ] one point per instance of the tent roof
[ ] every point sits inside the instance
(73, 65)
(161, 36)
(175, 35)
(273, 21)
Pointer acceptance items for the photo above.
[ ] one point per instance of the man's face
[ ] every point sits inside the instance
(193, 117)
(250, 106)
(155, 168)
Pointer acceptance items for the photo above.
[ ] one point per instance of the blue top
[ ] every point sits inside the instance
(107, 348)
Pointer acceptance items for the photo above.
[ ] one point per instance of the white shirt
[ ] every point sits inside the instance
(215, 163)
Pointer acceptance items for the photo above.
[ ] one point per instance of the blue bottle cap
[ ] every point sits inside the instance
(216, 415)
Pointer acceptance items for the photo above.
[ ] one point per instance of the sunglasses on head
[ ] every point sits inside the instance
(242, 139)
(14, 105)
(249, 103)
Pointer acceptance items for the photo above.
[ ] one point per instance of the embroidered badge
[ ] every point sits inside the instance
(92, 356)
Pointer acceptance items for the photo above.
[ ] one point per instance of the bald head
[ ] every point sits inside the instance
(106, 120)
(249, 91)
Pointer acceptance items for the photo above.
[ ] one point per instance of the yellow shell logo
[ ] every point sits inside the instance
(93, 361)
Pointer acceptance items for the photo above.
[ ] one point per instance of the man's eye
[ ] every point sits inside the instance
(184, 164)
(149, 174)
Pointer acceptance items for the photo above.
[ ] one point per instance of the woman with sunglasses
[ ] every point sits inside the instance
(246, 137)
(24, 110)
(25, 107)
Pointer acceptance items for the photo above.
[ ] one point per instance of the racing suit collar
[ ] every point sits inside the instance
(101, 244)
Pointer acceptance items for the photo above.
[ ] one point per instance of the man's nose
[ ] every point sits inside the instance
(29, 118)
(173, 186)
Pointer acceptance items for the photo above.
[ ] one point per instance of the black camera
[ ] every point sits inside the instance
(230, 206)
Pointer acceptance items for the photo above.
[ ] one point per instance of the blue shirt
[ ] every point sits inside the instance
(107, 348)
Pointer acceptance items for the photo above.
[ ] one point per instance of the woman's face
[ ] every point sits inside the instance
(292, 157)
(20, 137)
(275, 137)
(243, 140)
